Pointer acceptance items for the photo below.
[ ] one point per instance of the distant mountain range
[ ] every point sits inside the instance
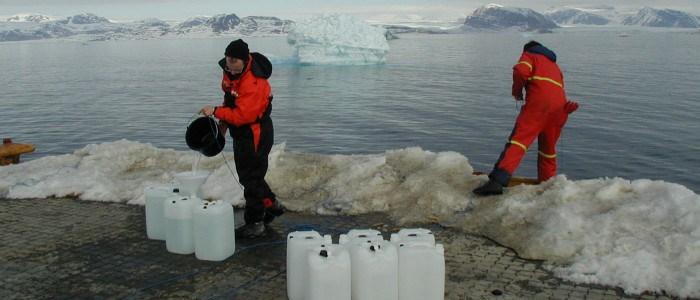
(651, 17)
(92, 27)
(492, 17)
(498, 17)
(573, 16)
(29, 18)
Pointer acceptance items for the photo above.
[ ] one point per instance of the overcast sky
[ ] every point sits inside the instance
(294, 9)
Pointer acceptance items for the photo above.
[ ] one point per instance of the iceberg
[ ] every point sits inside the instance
(338, 39)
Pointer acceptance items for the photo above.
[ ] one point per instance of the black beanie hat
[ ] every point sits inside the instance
(237, 49)
(531, 44)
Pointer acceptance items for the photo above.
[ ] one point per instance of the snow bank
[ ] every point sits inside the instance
(639, 235)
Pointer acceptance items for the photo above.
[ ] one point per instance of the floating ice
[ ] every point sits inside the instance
(338, 39)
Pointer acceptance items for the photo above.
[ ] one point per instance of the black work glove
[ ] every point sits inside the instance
(229, 100)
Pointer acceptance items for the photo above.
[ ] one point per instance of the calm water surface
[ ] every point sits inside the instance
(638, 94)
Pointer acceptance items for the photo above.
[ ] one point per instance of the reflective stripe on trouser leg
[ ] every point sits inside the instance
(546, 166)
(527, 126)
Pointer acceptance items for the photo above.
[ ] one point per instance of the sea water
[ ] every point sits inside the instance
(638, 115)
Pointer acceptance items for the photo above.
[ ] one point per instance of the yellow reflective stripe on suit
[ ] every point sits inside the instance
(514, 142)
(525, 63)
(546, 79)
(545, 155)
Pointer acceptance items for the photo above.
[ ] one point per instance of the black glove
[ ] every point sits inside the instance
(229, 100)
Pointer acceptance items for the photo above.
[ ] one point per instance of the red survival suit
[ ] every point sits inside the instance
(543, 116)
(246, 111)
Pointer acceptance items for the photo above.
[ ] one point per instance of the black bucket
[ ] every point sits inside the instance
(200, 136)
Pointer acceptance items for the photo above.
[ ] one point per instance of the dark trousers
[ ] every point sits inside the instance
(251, 166)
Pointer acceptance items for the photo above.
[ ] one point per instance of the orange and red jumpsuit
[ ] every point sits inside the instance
(543, 116)
(246, 111)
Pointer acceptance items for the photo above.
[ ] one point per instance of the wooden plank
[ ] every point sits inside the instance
(14, 149)
(516, 180)
(10, 152)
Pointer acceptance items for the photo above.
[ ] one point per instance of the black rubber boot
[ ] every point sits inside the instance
(489, 188)
(251, 231)
(272, 212)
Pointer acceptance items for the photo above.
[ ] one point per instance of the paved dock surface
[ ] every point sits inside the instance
(72, 249)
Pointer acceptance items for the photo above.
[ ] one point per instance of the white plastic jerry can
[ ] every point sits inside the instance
(360, 234)
(421, 271)
(298, 244)
(329, 273)
(178, 219)
(214, 230)
(374, 269)
(155, 211)
(413, 236)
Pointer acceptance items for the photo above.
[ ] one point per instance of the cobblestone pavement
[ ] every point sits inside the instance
(71, 249)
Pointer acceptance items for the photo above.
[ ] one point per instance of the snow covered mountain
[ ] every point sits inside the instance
(498, 17)
(92, 27)
(652, 17)
(86, 18)
(218, 23)
(576, 16)
(231, 23)
(262, 24)
(37, 18)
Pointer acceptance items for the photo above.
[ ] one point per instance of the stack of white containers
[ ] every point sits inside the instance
(187, 223)
(364, 266)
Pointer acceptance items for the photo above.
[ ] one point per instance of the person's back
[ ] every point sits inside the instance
(538, 72)
(543, 116)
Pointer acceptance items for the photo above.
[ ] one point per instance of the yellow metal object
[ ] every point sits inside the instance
(10, 152)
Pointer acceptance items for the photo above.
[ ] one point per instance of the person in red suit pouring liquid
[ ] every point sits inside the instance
(245, 113)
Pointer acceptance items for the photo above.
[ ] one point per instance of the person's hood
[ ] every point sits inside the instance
(260, 65)
(543, 51)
